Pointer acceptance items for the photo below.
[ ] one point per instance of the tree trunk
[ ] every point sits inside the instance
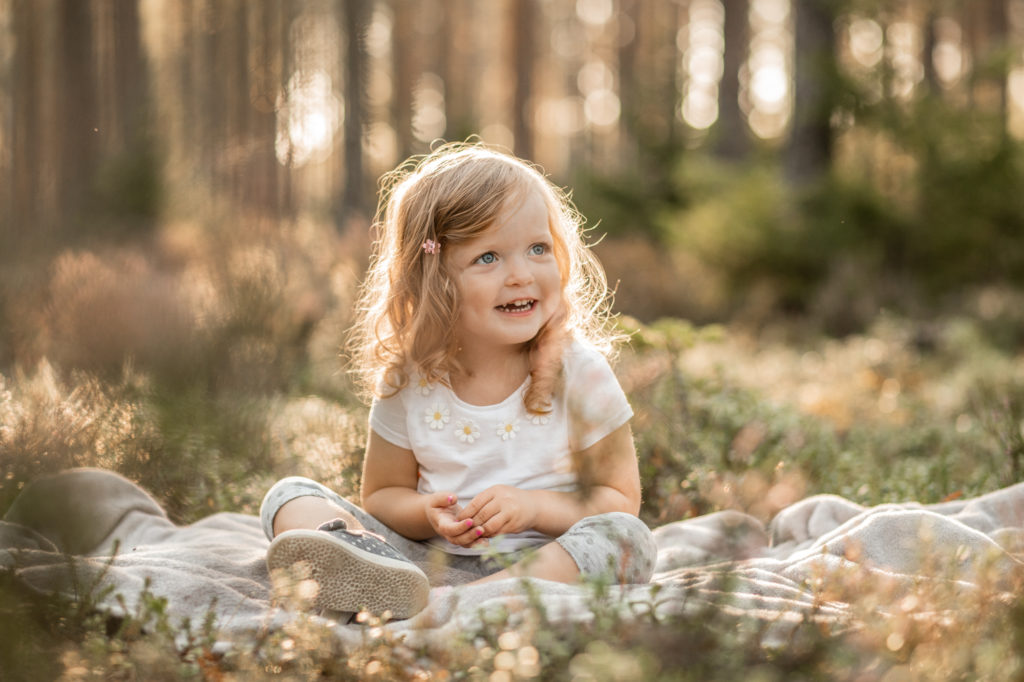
(289, 12)
(677, 15)
(629, 87)
(999, 37)
(130, 74)
(266, 59)
(522, 23)
(356, 20)
(26, 117)
(808, 151)
(929, 42)
(239, 171)
(732, 140)
(459, 68)
(6, 123)
(77, 119)
(211, 123)
(403, 54)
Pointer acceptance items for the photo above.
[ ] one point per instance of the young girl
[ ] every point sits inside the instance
(498, 432)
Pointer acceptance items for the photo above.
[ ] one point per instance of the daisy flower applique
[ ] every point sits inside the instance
(422, 386)
(506, 430)
(436, 416)
(466, 431)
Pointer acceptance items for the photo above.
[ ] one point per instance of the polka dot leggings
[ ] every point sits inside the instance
(615, 546)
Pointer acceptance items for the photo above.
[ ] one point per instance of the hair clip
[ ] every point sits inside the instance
(431, 247)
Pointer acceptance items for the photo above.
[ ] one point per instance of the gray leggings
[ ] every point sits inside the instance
(614, 546)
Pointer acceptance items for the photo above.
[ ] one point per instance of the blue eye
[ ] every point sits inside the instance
(538, 249)
(487, 258)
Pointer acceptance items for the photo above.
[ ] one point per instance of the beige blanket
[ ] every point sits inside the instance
(86, 530)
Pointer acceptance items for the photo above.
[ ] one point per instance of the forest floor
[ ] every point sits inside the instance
(724, 420)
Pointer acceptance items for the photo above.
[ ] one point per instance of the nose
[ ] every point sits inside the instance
(519, 272)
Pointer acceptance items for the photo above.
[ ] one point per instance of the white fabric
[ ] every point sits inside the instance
(466, 448)
(92, 531)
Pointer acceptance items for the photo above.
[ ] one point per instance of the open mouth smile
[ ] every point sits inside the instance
(521, 305)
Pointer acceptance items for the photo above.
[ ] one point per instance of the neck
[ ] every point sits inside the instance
(490, 376)
(494, 360)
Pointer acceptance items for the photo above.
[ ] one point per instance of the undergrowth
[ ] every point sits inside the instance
(724, 420)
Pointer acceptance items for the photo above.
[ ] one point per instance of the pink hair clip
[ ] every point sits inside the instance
(431, 247)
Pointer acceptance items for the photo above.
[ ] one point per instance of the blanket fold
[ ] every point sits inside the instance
(86, 529)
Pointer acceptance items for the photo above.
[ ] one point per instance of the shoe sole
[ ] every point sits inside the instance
(349, 578)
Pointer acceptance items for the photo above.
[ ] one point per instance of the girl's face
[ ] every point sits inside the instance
(508, 279)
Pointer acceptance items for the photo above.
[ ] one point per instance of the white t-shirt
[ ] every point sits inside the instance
(468, 448)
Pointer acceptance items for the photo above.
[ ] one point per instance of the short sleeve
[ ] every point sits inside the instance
(388, 420)
(596, 402)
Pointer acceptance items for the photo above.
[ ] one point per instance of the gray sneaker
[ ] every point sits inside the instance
(354, 569)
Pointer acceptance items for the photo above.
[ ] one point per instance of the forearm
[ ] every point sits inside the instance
(402, 509)
(556, 512)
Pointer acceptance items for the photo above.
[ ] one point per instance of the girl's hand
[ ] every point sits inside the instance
(500, 509)
(442, 513)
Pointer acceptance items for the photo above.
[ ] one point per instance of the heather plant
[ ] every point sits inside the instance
(931, 630)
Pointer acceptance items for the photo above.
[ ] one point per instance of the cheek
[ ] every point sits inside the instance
(562, 273)
(559, 278)
(471, 302)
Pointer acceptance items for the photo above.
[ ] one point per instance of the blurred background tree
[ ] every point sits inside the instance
(821, 160)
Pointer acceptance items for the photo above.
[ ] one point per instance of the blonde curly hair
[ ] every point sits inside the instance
(409, 303)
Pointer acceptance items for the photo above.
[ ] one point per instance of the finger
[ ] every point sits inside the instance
(470, 509)
(486, 513)
(478, 502)
(451, 528)
(443, 499)
(459, 535)
(469, 537)
(496, 524)
(455, 533)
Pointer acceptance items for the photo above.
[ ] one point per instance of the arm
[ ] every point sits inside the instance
(610, 481)
(390, 475)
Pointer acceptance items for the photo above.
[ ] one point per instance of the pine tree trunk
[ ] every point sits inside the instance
(808, 152)
(403, 54)
(77, 117)
(522, 24)
(26, 117)
(356, 18)
(732, 140)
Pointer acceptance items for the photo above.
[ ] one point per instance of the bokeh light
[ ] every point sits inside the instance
(428, 118)
(594, 12)
(1015, 90)
(765, 83)
(602, 107)
(308, 116)
(378, 34)
(560, 116)
(948, 55)
(867, 40)
(903, 42)
(703, 44)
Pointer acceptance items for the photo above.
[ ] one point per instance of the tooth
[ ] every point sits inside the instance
(518, 304)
